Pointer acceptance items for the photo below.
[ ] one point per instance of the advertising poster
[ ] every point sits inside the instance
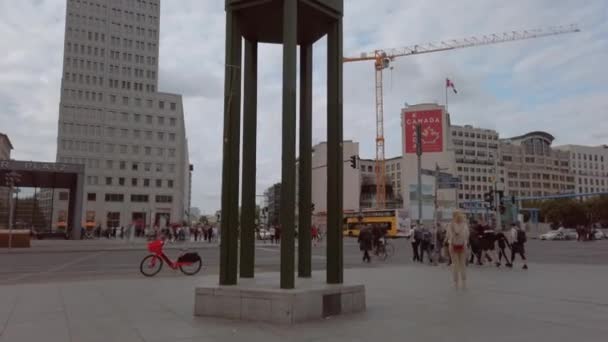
(432, 130)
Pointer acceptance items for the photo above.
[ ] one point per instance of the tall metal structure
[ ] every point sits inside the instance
(289, 23)
(383, 58)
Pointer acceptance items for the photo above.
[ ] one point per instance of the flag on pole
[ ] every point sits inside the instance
(450, 84)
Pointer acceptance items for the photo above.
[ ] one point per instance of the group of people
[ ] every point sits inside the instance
(459, 245)
(371, 237)
(203, 233)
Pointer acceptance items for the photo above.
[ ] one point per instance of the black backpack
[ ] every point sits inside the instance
(427, 236)
(521, 236)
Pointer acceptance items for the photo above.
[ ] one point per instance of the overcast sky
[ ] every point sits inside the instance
(557, 84)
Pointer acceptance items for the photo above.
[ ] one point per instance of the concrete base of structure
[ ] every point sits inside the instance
(260, 300)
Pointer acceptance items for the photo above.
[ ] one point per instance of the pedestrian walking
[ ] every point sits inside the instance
(427, 240)
(277, 234)
(503, 243)
(457, 236)
(365, 241)
(416, 239)
(519, 239)
(475, 238)
(314, 234)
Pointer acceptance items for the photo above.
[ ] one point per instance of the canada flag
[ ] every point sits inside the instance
(450, 84)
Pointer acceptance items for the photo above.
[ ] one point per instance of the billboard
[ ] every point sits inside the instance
(431, 122)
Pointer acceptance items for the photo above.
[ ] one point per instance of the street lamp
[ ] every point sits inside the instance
(11, 179)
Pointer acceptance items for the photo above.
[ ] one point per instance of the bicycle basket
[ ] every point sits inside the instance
(189, 257)
(156, 246)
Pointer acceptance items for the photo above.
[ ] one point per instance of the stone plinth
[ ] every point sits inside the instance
(258, 300)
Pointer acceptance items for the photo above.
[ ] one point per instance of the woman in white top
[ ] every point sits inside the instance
(457, 237)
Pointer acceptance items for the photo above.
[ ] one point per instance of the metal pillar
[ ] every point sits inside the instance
(419, 157)
(288, 168)
(231, 141)
(305, 165)
(247, 255)
(334, 155)
(76, 200)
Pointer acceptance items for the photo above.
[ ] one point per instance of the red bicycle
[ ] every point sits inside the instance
(188, 262)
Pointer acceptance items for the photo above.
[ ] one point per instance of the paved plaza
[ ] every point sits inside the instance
(404, 303)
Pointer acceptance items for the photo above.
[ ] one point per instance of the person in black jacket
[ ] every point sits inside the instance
(416, 239)
(503, 243)
(475, 243)
(365, 242)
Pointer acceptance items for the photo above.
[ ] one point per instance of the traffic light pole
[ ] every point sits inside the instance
(419, 155)
(497, 195)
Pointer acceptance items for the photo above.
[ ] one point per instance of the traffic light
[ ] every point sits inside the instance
(312, 207)
(353, 162)
(489, 197)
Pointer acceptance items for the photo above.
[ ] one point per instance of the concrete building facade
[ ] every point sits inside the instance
(273, 203)
(477, 157)
(113, 120)
(393, 178)
(5, 147)
(589, 165)
(352, 178)
(533, 168)
(437, 152)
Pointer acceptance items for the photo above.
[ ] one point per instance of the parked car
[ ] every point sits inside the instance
(553, 235)
(571, 234)
(598, 234)
(264, 234)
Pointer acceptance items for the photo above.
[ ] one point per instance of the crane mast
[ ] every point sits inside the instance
(383, 58)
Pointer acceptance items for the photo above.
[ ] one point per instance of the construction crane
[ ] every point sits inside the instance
(383, 58)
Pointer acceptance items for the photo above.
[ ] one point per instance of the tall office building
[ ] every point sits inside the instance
(477, 161)
(589, 165)
(112, 119)
(533, 168)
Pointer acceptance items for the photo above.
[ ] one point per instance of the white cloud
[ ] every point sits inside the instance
(557, 84)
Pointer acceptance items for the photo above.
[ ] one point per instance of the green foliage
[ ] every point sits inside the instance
(571, 212)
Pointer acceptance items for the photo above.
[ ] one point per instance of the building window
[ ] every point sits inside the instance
(164, 199)
(125, 100)
(159, 183)
(91, 197)
(108, 180)
(139, 198)
(161, 104)
(148, 150)
(161, 120)
(121, 181)
(115, 198)
(134, 166)
(63, 196)
(133, 181)
(146, 182)
(171, 136)
(173, 106)
(113, 218)
(172, 122)
(160, 136)
(170, 183)
(159, 167)
(123, 164)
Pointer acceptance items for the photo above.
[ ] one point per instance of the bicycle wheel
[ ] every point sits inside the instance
(151, 265)
(192, 268)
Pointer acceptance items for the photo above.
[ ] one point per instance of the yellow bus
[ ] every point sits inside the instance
(395, 221)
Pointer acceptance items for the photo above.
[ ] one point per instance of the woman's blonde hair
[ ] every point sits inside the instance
(458, 216)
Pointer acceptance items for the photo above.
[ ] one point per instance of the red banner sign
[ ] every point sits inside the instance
(432, 130)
